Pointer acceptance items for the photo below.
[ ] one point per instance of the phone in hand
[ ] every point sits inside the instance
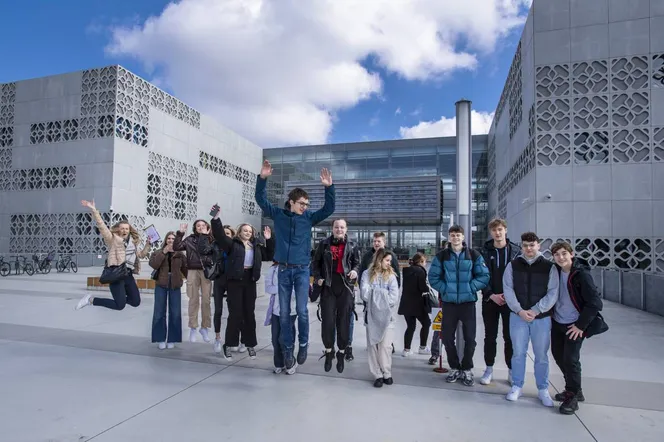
(215, 210)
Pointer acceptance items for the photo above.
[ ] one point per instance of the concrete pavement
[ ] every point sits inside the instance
(93, 374)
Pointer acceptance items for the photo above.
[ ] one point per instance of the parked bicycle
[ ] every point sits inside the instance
(5, 267)
(43, 265)
(22, 265)
(65, 263)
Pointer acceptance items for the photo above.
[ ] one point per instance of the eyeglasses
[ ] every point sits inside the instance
(302, 203)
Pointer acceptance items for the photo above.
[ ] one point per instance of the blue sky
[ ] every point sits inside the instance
(42, 38)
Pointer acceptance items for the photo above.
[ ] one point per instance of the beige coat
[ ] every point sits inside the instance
(116, 247)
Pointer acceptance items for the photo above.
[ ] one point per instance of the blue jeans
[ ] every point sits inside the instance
(162, 298)
(293, 277)
(276, 331)
(539, 333)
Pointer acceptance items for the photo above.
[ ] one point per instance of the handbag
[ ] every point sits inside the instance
(597, 326)
(431, 299)
(155, 274)
(111, 274)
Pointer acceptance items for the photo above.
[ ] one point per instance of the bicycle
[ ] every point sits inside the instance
(22, 265)
(65, 263)
(5, 267)
(43, 265)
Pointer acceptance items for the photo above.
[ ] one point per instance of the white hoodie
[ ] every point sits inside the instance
(381, 297)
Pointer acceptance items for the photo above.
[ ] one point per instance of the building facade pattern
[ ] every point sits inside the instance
(116, 104)
(588, 112)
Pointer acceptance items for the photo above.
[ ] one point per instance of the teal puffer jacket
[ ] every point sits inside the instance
(457, 279)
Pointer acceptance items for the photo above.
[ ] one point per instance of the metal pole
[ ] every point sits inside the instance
(464, 188)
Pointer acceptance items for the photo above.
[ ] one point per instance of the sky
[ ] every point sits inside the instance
(286, 72)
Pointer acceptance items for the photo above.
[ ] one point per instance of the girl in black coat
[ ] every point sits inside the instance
(244, 256)
(414, 304)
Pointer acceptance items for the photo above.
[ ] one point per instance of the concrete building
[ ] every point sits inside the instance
(405, 188)
(108, 135)
(576, 150)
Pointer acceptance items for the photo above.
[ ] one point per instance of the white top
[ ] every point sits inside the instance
(130, 254)
(381, 297)
(248, 257)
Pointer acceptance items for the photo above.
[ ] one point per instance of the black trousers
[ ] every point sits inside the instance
(425, 321)
(491, 314)
(452, 314)
(336, 304)
(241, 300)
(567, 354)
(218, 291)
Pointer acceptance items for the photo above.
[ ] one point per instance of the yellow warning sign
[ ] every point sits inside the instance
(437, 321)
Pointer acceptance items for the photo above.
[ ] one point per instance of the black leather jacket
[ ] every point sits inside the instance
(322, 261)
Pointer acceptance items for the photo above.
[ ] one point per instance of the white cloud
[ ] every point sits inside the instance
(480, 123)
(398, 111)
(277, 71)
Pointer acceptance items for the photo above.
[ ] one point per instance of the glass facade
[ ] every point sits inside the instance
(419, 173)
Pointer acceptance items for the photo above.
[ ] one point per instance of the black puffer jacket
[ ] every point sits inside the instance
(492, 259)
(191, 246)
(235, 251)
(414, 285)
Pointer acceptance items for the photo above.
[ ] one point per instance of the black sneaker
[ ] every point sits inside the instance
(302, 354)
(454, 376)
(227, 353)
(349, 354)
(393, 350)
(329, 357)
(433, 360)
(468, 378)
(570, 405)
(340, 362)
(252, 352)
(388, 381)
(561, 397)
(378, 382)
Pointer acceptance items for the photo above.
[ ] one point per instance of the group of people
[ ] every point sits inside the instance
(551, 304)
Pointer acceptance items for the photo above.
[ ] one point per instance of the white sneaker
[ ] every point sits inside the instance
(406, 353)
(84, 302)
(424, 351)
(217, 346)
(509, 377)
(545, 397)
(170, 345)
(487, 376)
(278, 370)
(192, 335)
(514, 394)
(242, 348)
(205, 335)
(162, 345)
(292, 369)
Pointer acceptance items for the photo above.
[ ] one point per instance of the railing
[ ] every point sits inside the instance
(640, 290)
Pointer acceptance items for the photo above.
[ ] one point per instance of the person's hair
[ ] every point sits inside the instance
(193, 229)
(379, 235)
(456, 229)
(296, 194)
(239, 229)
(133, 233)
(376, 266)
(166, 238)
(417, 259)
(340, 219)
(561, 245)
(231, 229)
(497, 222)
(530, 237)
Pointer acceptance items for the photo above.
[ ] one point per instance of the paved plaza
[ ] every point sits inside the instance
(94, 375)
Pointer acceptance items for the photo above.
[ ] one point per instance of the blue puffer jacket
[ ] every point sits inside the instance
(293, 232)
(457, 279)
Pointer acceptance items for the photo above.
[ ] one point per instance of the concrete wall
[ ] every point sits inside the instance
(598, 125)
(108, 135)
